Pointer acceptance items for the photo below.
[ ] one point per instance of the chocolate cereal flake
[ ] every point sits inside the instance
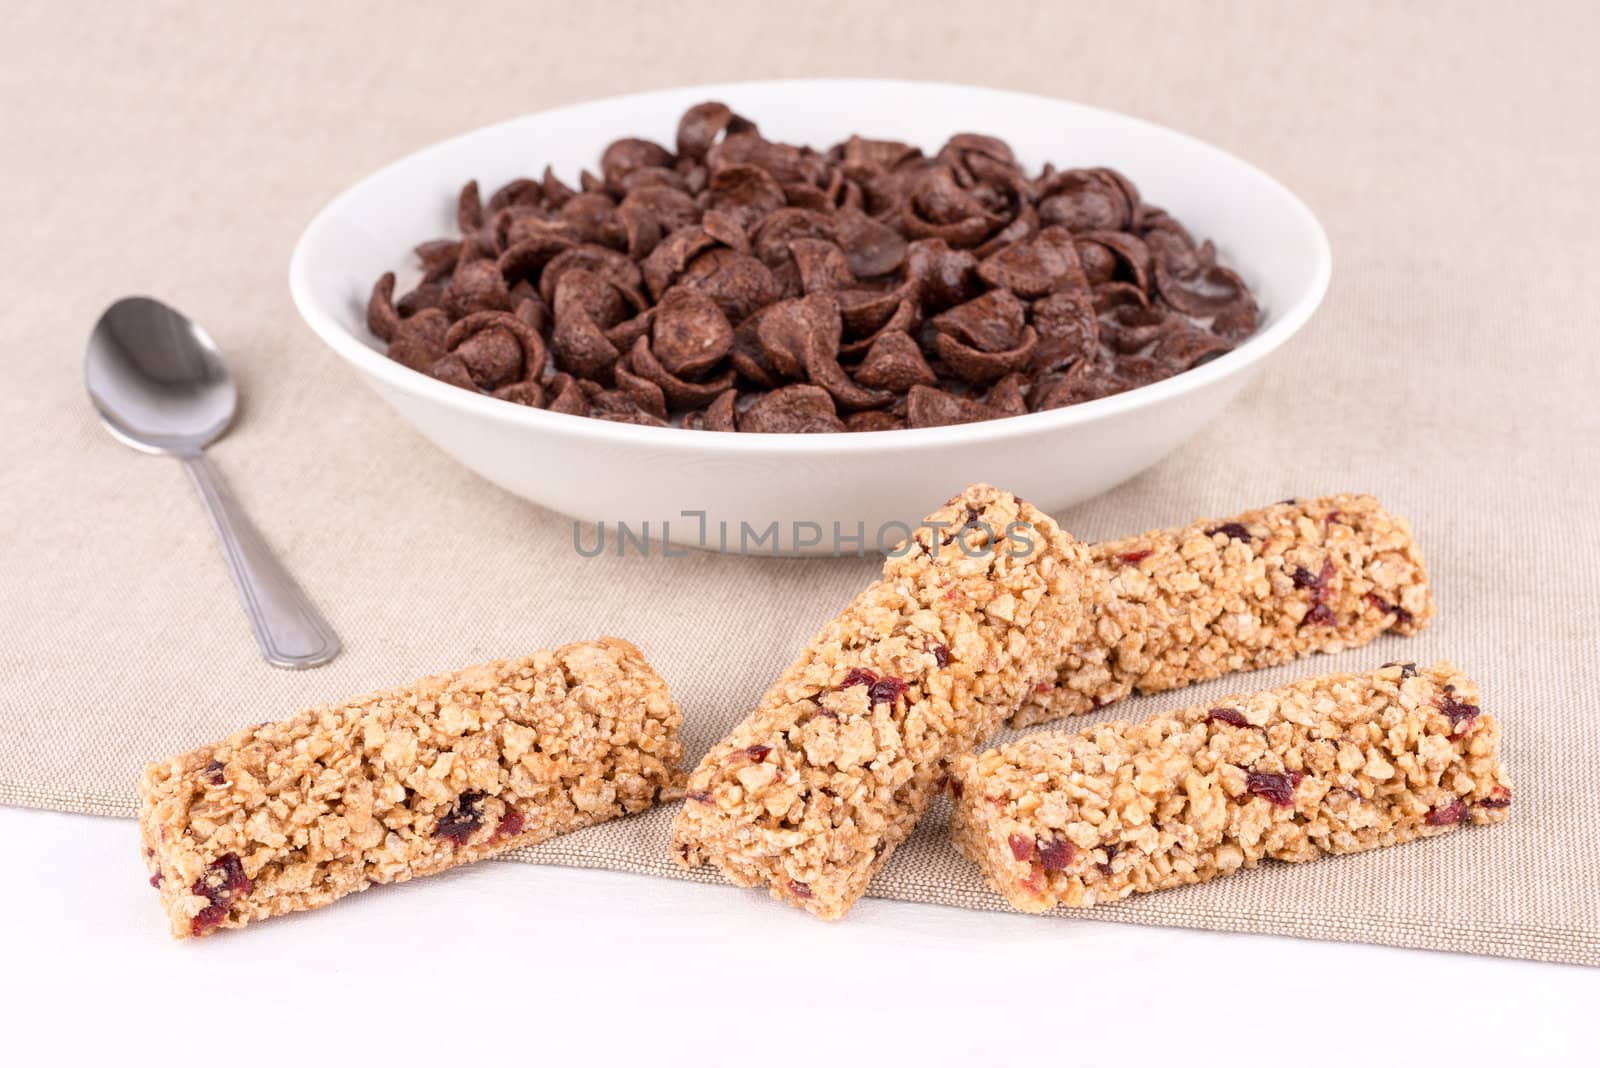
(731, 282)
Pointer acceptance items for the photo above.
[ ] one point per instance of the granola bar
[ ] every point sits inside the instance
(1173, 607)
(813, 791)
(406, 782)
(1337, 764)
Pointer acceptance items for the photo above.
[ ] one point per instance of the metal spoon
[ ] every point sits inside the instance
(158, 381)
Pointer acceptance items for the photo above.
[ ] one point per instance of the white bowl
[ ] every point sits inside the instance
(618, 473)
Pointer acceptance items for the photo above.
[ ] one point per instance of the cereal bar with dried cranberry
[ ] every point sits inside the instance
(406, 782)
(1336, 764)
(813, 791)
(1173, 607)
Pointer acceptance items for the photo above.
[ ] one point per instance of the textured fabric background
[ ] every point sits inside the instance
(178, 149)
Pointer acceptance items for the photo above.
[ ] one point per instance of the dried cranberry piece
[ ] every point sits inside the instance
(1279, 789)
(1235, 531)
(1129, 559)
(758, 753)
(886, 691)
(223, 882)
(1021, 846)
(1317, 584)
(1499, 797)
(1400, 614)
(510, 824)
(461, 821)
(1321, 616)
(1056, 854)
(799, 889)
(941, 654)
(702, 796)
(1231, 716)
(858, 677)
(214, 773)
(155, 880)
(1448, 815)
(1457, 712)
(207, 918)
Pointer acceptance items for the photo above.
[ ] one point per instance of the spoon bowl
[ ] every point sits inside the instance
(157, 378)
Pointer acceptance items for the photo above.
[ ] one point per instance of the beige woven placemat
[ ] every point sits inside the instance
(178, 150)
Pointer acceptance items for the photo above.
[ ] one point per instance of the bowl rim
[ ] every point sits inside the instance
(376, 364)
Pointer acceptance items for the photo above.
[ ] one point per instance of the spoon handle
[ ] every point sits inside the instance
(289, 629)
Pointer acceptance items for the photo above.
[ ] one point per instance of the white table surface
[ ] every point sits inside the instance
(518, 964)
